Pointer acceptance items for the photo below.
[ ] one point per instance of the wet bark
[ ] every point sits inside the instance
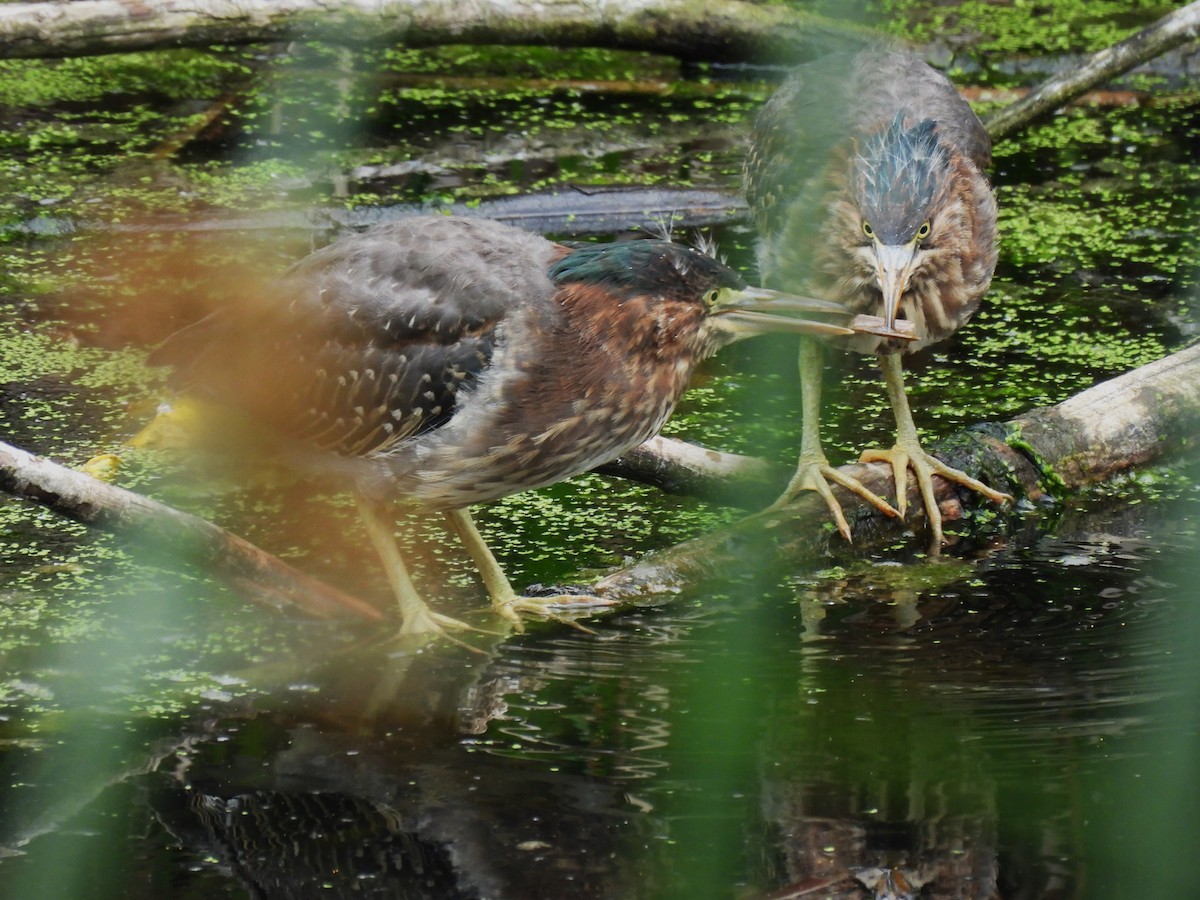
(1151, 413)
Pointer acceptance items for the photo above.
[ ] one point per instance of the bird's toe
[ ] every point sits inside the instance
(816, 475)
(564, 609)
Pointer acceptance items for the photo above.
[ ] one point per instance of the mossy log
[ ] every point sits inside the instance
(1140, 417)
(722, 30)
(1144, 416)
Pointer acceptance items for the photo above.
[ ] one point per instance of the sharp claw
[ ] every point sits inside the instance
(932, 510)
(835, 508)
(966, 480)
(427, 624)
(900, 478)
(544, 608)
(815, 475)
(899, 461)
(857, 487)
(924, 467)
(509, 613)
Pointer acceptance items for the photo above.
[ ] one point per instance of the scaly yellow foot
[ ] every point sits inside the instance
(514, 608)
(906, 455)
(103, 467)
(909, 452)
(506, 602)
(418, 620)
(813, 473)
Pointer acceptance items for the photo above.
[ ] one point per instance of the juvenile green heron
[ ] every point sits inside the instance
(865, 177)
(452, 361)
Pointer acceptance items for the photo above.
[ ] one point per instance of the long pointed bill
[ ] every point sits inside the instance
(894, 264)
(756, 310)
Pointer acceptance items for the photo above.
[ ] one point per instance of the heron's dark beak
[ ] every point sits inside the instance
(893, 266)
(754, 310)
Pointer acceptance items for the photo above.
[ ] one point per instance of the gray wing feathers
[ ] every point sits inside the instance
(371, 340)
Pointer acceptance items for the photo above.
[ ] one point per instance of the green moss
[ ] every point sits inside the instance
(115, 377)
(866, 577)
(174, 75)
(1023, 26)
(1052, 483)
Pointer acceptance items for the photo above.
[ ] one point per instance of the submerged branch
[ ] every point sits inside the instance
(571, 211)
(157, 525)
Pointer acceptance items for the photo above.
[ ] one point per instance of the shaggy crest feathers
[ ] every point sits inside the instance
(707, 244)
(899, 173)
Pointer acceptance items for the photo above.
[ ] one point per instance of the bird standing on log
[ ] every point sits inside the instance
(866, 180)
(451, 361)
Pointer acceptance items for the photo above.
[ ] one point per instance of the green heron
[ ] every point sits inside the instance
(451, 361)
(901, 223)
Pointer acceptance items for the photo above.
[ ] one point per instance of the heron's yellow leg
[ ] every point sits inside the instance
(908, 453)
(813, 471)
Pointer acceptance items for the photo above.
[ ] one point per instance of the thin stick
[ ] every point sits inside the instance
(115, 509)
(1170, 31)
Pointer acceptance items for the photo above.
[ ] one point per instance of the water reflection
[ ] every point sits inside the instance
(947, 743)
(980, 738)
(331, 814)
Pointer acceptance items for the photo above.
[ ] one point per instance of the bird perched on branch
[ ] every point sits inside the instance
(866, 179)
(451, 361)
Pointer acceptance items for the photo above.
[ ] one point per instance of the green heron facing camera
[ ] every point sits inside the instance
(902, 224)
(451, 361)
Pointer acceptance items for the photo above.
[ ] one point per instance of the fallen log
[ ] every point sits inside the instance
(1144, 416)
(726, 30)
(1141, 417)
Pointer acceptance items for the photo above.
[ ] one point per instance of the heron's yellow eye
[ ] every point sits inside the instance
(867, 229)
(712, 296)
(923, 232)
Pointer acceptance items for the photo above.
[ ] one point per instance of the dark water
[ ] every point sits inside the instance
(1025, 729)
(1016, 720)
